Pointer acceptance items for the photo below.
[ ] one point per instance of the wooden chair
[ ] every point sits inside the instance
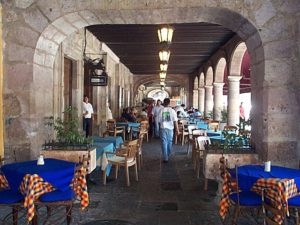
(230, 128)
(9, 198)
(144, 127)
(269, 212)
(190, 129)
(139, 153)
(113, 130)
(56, 199)
(240, 199)
(200, 143)
(214, 125)
(125, 158)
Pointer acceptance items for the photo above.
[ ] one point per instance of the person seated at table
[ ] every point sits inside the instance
(144, 113)
(127, 115)
(179, 114)
(196, 113)
(182, 110)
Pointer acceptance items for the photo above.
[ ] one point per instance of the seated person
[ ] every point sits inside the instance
(196, 113)
(179, 114)
(127, 115)
(144, 113)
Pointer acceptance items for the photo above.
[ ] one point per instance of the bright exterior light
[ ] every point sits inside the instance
(162, 80)
(162, 83)
(164, 55)
(162, 75)
(163, 67)
(165, 34)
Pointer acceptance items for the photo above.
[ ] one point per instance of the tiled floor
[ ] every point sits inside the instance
(166, 194)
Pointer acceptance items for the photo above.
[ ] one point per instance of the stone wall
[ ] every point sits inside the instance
(34, 29)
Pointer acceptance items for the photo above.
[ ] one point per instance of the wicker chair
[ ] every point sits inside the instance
(125, 157)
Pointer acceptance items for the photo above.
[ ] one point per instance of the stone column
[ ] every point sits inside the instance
(201, 99)
(233, 100)
(195, 98)
(218, 100)
(208, 99)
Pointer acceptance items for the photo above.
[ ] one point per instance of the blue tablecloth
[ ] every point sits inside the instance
(117, 141)
(212, 133)
(249, 174)
(202, 125)
(57, 172)
(102, 148)
(127, 125)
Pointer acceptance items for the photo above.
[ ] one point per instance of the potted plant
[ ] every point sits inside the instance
(68, 134)
(235, 149)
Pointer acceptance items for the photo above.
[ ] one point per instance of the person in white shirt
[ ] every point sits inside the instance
(167, 118)
(183, 113)
(109, 113)
(155, 112)
(88, 111)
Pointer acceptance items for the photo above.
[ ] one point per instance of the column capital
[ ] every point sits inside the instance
(218, 84)
(234, 78)
(201, 88)
(208, 86)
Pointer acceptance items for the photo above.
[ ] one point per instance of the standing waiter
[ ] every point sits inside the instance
(87, 115)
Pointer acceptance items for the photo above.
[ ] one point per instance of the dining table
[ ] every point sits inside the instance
(58, 173)
(117, 141)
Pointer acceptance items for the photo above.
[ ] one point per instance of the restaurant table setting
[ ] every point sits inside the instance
(34, 180)
(279, 184)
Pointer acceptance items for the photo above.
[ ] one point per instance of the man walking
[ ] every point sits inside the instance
(155, 113)
(168, 120)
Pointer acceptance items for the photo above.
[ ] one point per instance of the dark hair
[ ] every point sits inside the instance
(166, 101)
(183, 105)
(85, 96)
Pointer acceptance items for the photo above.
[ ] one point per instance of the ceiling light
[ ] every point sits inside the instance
(162, 75)
(164, 55)
(165, 34)
(163, 67)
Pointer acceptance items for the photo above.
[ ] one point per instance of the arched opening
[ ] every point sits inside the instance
(158, 94)
(209, 100)
(218, 91)
(57, 28)
(195, 93)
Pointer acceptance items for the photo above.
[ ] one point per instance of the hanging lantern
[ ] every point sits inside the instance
(165, 34)
(163, 67)
(164, 55)
(162, 75)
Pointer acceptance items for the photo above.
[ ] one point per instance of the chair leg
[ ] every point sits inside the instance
(175, 140)
(127, 176)
(69, 214)
(116, 172)
(147, 137)
(205, 184)
(182, 140)
(104, 177)
(136, 173)
(235, 215)
(15, 210)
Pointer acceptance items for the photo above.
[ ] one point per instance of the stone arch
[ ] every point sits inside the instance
(209, 76)
(196, 83)
(201, 80)
(56, 24)
(219, 74)
(236, 59)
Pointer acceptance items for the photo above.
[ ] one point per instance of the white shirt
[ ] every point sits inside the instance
(87, 107)
(109, 114)
(182, 112)
(156, 110)
(166, 117)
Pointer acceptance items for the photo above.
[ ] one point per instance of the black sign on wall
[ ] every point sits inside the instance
(100, 80)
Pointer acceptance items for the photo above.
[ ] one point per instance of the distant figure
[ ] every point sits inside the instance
(168, 120)
(87, 115)
(144, 113)
(109, 113)
(181, 109)
(196, 113)
(242, 112)
(155, 112)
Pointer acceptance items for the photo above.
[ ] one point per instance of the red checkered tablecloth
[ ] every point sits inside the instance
(3, 182)
(32, 187)
(278, 191)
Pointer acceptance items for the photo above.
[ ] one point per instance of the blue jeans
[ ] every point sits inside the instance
(156, 128)
(166, 136)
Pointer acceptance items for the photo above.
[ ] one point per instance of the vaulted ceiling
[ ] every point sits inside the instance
(137, 46)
